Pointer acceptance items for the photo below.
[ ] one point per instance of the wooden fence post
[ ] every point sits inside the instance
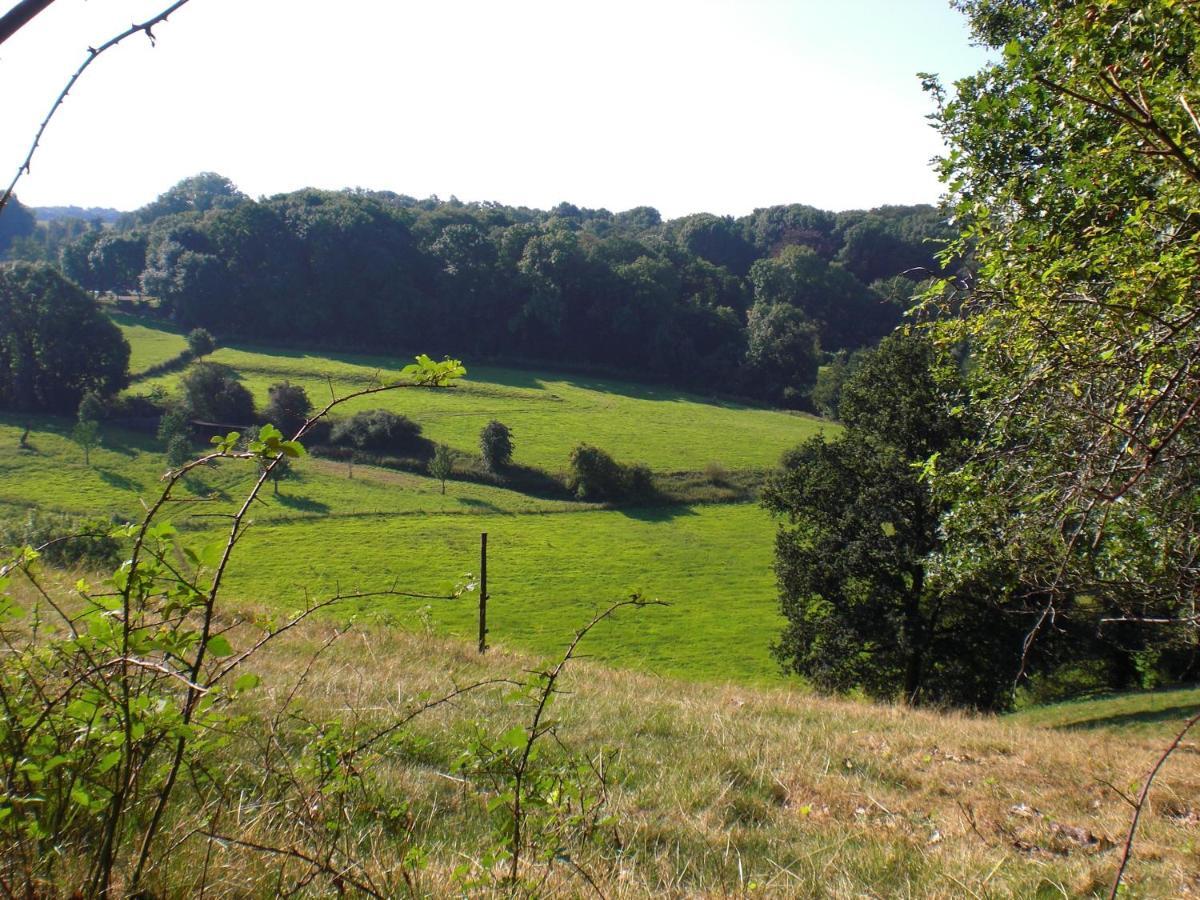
(483, 594)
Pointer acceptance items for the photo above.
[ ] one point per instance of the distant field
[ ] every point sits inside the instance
(551, 562)
(549, 414)
(150, 344)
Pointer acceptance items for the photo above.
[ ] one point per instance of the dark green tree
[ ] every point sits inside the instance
(55, 343)
(16, 222)
(213, 394)
(496, 445)
(853, 557)
(782, 353)
(288, 406)
(200, 343)
(594, 475)
(116, 262)
(378, 431)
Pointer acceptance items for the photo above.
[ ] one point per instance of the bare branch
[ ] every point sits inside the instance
(93, 54)
(1141, 803)
(19, 16)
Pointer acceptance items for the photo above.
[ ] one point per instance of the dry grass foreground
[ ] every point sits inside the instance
(714, 791)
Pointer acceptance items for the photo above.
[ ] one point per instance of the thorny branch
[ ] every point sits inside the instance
(93, 55)
(1141, 803)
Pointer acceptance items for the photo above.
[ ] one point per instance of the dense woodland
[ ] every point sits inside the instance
(748, 306)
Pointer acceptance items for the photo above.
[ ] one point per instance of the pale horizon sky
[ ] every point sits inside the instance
(685, 105)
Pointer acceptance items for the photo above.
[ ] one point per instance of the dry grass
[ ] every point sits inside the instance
(722, 791)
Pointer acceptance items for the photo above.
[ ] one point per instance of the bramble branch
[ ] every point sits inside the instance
(93, 54)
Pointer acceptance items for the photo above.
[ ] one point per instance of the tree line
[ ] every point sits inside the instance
(750, 305)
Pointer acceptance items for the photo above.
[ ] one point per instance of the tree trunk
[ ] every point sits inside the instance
(914, 638)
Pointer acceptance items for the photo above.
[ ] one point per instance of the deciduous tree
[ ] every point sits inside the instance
(55, 343)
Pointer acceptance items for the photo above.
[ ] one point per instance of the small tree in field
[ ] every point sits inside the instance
(201, 342)
(86, 434)
(496, 445)
(442, 464)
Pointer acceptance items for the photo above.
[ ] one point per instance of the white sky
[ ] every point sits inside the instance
(685, 105)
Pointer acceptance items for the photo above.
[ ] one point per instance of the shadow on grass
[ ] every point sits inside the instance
(117, 480)
(1177, 712)
(201, 488)
(301, 504)
(653, 514)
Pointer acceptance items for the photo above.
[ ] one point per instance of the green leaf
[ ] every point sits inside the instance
(219, 646)
(246, 682)
(515, 737)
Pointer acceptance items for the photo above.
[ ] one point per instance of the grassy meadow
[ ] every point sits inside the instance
(722, 778)
(551, 561)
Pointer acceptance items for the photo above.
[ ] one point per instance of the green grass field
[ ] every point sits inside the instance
(669, 430)
(551, 562)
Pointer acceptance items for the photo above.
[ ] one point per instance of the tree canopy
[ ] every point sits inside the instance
(55, 343)
(1074, 167)
(852, 558)
(627, 291)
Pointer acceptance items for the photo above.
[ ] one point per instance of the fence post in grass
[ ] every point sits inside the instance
(483, 594)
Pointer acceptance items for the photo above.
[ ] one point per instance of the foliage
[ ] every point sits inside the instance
(378, 431)
(213, 393)
(195, 194)
(496, 445)
(16, 222)
(441, 464)
(62, 540)
(861, 608)
(625, 291)
(1073, 170)
(91, 408)
(826, 393)
(200, 343)
(86, 434)
(288, 406)
(594, 475)
(781, 359)
(55, 344)
(115, 262)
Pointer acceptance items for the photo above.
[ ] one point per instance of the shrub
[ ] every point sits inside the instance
(594, 475)
(378, 431)
(213, 394)
(68, 541)
(716, 473)
(288, 407)
(201, 342)
(441, 466)
(495, 445)
(639, 482)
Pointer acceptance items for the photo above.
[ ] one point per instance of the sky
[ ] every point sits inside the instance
(720, 106)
